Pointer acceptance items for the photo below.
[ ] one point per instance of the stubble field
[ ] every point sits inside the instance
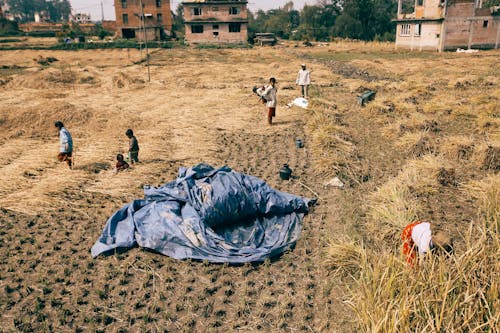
(427, 147)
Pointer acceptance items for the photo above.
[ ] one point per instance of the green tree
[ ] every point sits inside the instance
(178, 22)
(491, 3)
(58, 10)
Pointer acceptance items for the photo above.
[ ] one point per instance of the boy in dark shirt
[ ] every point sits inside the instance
(120, 163)
(133, 150)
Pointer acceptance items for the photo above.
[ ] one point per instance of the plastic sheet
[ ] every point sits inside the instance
(210, 214)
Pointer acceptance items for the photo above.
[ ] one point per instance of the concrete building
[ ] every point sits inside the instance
(80, 18)
(447, 25)
(157, 19)
(216, 21)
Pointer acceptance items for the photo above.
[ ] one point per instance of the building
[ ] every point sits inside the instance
(80, 18)
(216, 21)
(156, 22)
(447, 25)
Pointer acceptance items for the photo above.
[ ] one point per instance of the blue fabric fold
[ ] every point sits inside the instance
(210, 214)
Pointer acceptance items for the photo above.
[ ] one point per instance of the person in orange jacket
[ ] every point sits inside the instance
(419, 238)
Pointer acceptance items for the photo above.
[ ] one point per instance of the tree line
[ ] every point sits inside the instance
(24, 10)
(357, 19)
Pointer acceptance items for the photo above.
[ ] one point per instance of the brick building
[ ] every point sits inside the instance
(157, 18)
(447, 25)
(216, 21)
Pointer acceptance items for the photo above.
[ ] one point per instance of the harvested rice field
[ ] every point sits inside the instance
(427, 147)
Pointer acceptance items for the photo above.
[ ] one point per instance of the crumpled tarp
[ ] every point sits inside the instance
(210, 214)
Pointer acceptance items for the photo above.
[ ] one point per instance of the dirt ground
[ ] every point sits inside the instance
(199, 107)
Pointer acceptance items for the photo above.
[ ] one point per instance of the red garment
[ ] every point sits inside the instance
(121, 165)
(66, 157)
(271, 112)
(409, 250)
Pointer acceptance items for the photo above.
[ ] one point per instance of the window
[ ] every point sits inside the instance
(158, 3)
(485, 24)
(216, 33)
(215, 27)
(196, 11)
(125, 18)
(418, 28)
(405, 30)
(234, 10)
(124, 3)
(420, 2)
(234, 27)
(197, 29)
(159, 18)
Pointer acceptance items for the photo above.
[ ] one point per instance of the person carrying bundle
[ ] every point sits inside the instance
(268, 93)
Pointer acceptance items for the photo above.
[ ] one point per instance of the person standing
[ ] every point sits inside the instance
(65, 145)
(133, 150)
(269, 94)
(304, 80)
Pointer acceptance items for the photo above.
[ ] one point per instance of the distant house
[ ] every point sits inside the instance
(155, 18)
(216, 21)
(80, 18)
(447, 25)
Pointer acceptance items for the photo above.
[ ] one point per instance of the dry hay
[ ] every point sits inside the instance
(5, 80)
(450, 293)
(458, 148)
(395, 204)
(38, 121)
(333, 148)
(487, 193)
(51, 78)
(122, 80)
(345, 257)
(417, 144)
(488, 157)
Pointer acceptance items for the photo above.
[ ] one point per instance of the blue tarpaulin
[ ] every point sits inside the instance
(210, 214)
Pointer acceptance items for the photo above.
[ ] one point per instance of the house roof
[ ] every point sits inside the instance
(214, 2)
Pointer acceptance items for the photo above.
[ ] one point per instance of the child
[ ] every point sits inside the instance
(121, 164)
(133, 150)
(419, 237)
(268, 93)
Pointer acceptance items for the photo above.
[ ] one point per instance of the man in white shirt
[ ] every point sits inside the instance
(304, 80)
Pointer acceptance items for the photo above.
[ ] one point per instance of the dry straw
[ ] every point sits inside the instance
(395, 203)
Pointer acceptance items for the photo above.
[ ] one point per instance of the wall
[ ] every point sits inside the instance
(220, 14)
(133, 9)
(463, 29)
(224, 35)
(216, 14)
(428, 40)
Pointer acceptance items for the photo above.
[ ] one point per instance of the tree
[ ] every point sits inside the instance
(491, 3)
(178, 22)
(58, 10)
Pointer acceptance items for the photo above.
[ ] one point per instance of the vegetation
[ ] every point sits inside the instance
(9, 28)
(57, 10)
(358, 19)
(118, 44)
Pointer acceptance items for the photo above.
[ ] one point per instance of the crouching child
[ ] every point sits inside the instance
(121, 165)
